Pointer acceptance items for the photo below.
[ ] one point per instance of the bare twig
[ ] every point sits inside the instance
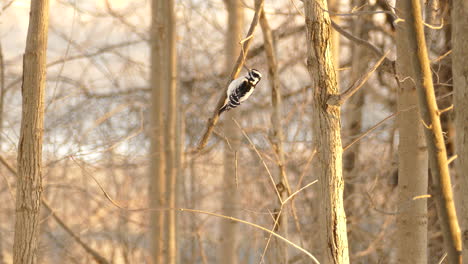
(7, 5)
(385, 119)
(261, 158)
(253, 225)
(96, 256)
(235, 72)
(389, 65)
(298, 191)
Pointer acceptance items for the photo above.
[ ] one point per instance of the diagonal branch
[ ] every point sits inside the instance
(339, 99)
(437, 153)
(235, 72)
(389, 65)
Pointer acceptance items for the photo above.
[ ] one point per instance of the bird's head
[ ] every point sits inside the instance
(254, 76)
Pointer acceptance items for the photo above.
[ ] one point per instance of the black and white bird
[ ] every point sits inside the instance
(240, 89)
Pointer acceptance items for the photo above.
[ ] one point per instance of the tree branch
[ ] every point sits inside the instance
(389, 65)
(235, 72)
(339, 99)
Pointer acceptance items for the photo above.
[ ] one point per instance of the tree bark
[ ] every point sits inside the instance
(228, 252)
(159, 81)
(430, 117)
(412, 159)
(326, 131)
(171, 132)
(2, 92)
(29, 185)
(460, 83)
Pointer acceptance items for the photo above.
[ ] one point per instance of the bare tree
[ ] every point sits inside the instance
(171, 132)
(2, 91)
(412, 159)
(159, 82)
(29, 181)
(460, 83)
(430, 118)
(326, 131)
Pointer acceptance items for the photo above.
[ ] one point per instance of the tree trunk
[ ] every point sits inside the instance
(29, 185)
(276, 138)
(2, 93)
(326, 132)
(412, 160)
(430, 116)
(171, 131)
(228, 252)
(159, 81)
(460, 83)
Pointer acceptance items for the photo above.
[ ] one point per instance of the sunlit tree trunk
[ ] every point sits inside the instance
(326, 132)
(460, 83)
(412, 160)
(29, 181)
(228, 252)
(2, 93)
(171, 132)
(159, 81)
(430, 117)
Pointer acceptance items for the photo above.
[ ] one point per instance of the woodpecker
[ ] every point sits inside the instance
(240, 89)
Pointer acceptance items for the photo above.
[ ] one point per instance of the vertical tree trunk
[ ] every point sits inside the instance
(430, 116)
(228, 252)
(157, 189)
(2, 93)
(412, 160)
(326, 131)
(276, 136)
(29, 185)
(460, 83)
(171, 131)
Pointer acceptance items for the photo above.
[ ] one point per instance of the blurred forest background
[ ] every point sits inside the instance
(120, 137)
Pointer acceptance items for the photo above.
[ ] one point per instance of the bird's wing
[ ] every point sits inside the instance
(233, 85)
